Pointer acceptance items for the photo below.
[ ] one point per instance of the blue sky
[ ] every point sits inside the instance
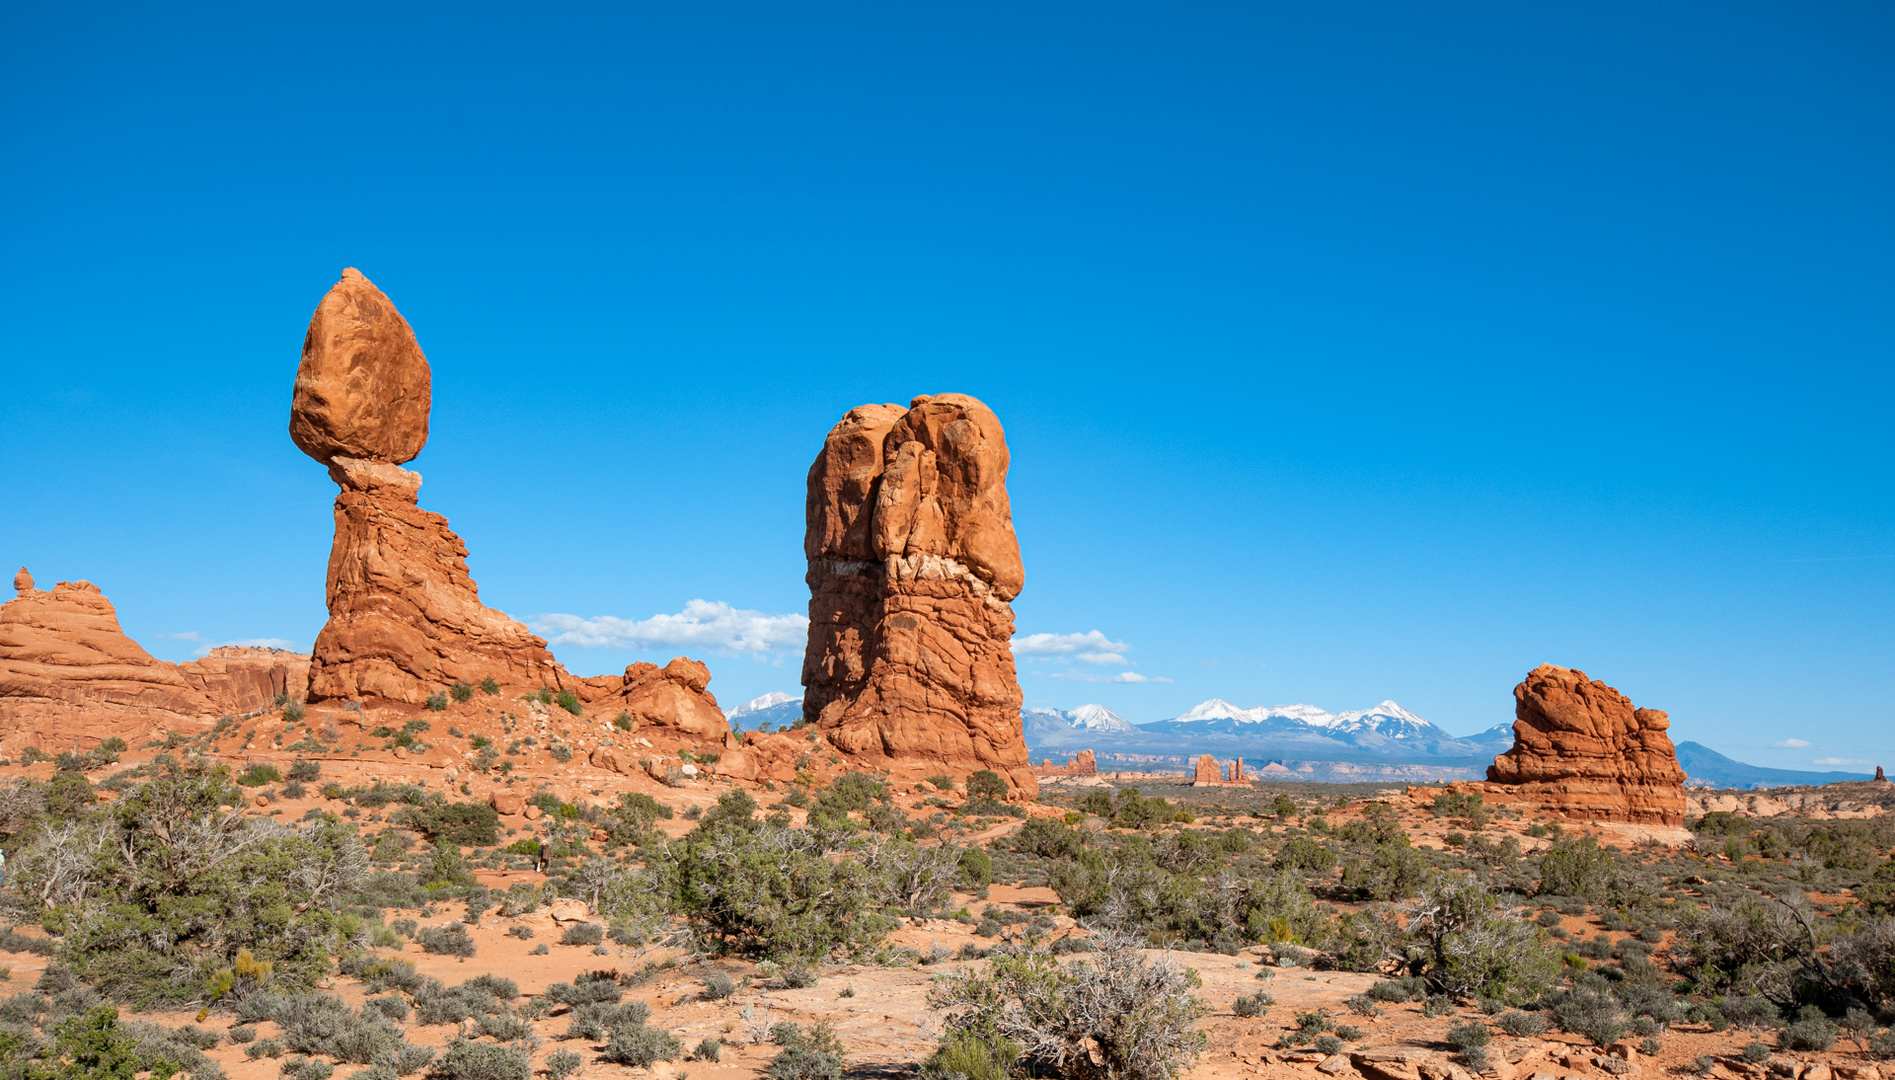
(1346, 352)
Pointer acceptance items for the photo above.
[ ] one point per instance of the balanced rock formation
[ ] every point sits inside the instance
(70, 678)
(1584, 751)
(913, 565)
(405, 617)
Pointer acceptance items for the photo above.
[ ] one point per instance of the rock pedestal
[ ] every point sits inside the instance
(913, 566)
(1583, 750)
(1082, 764)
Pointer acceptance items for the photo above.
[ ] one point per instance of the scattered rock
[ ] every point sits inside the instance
(1336, 1065)
(913, 566)
(612, 759)
(507, 802)
(568, 909)
(532, 811)
(1581, 749)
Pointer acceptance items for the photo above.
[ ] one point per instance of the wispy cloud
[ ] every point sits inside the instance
(188, 635)
(1091, 647)
(1790, 744)
(1841, 761)
(1121, 677)
(711, 625)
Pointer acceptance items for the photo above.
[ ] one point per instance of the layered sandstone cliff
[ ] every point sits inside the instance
(1583, 750)
(912, 567)
(70, 678)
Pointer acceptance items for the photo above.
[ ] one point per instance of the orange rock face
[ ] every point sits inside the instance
(70, 678)
(1583, 750)
(673, 696)
(240, 678)
(913, 565)
(363, 387)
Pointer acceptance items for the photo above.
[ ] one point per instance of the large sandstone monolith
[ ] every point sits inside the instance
(913, 566)
(70, 678)
(1582, 750)
(405, 617)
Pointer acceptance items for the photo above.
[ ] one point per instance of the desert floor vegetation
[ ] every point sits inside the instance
(170, 914)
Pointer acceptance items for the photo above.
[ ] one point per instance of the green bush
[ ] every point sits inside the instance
(1522, 1024)
(1811, 1031)
(260, 774)
(448, 940)
(437, 702)
(1462, 1036)
(971, 1055)
(568, 701)
(639, 1046)
(975, 868)
(468, 824)
(582, 933)
(460, 692)
(1252, 1005)
(1756, 1053)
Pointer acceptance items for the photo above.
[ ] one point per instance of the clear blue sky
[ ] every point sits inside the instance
(1346, 351)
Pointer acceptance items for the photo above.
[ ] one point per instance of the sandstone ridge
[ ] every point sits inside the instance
(913, 565)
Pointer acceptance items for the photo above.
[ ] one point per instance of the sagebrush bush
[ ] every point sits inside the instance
(972, 1055)
(814, 1054)
(1522, 1024)
(582, 933)
(463, 1059)
(448, 940)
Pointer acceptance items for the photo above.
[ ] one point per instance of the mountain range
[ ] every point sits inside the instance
(1706, 766)
(1384, 733)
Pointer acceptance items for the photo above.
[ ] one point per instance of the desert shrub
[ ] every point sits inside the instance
(259, 774)
(1595, 1015)
(1474, 1057)
(710, 1049)
(1522, 1024)
(1349, 1033)
(1251, 1005)
(464, 1059)
(582, 933)
(1751, 1011)
(505, 1026)
(1138, 1015)
(1047, 838)
(976, 868)
(1582, 868)
(1462, 1036)
(437, 702)
(1395, 991)
(586, 991)
(561, 1064)
(814, 1054)
(448, 940)
(460, 692)
(1756, 1053)
(465, 824)
(1475, 949)
(264, 1048)
(1303, 853)
(242, 1034)
(969, 1054)
(1392, 871)
(1811, 1030)
(524, 933)
(768, 891)
(639, 1046)
(718, 986)
(392, 1007)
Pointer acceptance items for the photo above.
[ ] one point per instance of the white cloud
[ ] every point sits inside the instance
(710, 625)
(1121, 677)
(1091, 647)
(1784, 744)
(1840, 761)
(262, 642)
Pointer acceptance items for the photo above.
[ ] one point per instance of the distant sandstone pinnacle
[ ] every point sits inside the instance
(913, 565)
(1582, 749)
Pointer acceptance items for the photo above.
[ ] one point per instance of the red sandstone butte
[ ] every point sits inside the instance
(1582, 750)
(913, 566)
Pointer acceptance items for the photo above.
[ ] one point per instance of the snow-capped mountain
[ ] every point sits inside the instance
(1098, 718)
(1041, 723)
(775, 708)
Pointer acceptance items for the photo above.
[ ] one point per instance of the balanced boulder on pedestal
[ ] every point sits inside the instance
(912, 567)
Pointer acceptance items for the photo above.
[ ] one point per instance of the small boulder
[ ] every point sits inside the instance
(532, 811)
(507, 802)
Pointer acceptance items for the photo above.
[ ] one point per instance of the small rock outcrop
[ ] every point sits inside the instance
(1584, 751)
(913, 565)
(673, 696)
(70, 678)
(1207, 772)
(1082, 764)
